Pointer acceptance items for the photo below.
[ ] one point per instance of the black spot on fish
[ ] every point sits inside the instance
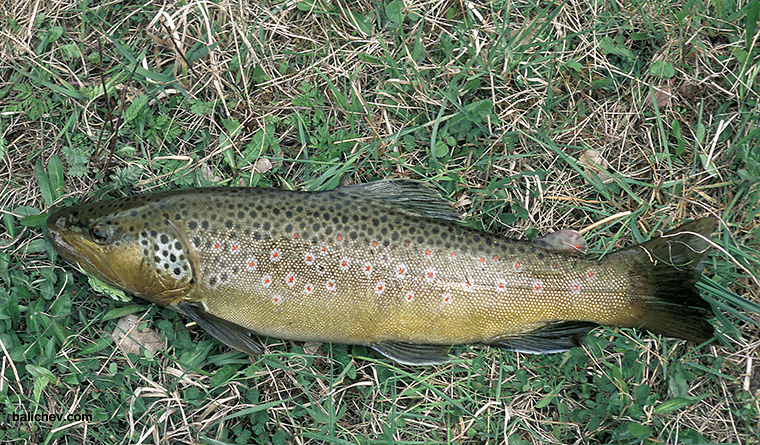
(276, 211)
(289, 228)
(196, 242)
(204, 224)
(212, 281)
(241, 215)
(133, 213)
(328, 230)
(153, 233)
(223, 277)
(267, 226)
(353, 236)
(164, 239)
(521, 249)
(192, 225)
(344, 219)
(420, 240)
(173, 258)
(289, 214)
(177, 271)
(253, 214)
(157, 259)
(228, 224)
(394, 236)
(540, 256)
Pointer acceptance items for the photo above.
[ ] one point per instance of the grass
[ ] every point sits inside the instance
(528, 116)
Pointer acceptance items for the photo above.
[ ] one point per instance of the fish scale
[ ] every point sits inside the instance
(384, 264)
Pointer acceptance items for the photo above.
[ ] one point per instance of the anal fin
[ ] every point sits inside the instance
(414, 354)
(232, 335)
(554, 337)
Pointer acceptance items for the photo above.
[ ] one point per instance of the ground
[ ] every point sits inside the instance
(619, 119)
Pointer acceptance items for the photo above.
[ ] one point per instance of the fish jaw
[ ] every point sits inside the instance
(68, 239)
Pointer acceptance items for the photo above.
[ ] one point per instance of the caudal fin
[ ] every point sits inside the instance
(664, 272)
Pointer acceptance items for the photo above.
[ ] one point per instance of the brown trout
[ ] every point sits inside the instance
(384, 264)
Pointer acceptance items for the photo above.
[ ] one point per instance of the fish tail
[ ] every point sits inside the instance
(664, 272)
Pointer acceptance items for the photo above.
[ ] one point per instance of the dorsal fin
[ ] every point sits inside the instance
(409, 197)
(563, 241)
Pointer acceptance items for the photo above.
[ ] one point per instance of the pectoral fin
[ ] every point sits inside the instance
(554, 337)
(414, 354)
(232, 335)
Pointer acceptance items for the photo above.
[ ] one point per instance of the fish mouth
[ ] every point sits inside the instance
(73, 255)
(66, 250)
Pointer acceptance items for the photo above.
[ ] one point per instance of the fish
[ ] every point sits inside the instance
(386, 264)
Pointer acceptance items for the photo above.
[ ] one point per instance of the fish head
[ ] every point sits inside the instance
(126, 243)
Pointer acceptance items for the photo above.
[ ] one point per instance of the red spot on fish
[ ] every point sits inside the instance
(495, 258)
(323, 249)
(290, 279)
(501, 285)
(274, 255)
(308, 288)
(344, 264)
(374, 243)
(340, 237)
(276, 299)
(233, 248)
(430, 274)
(467, 286)
(217, 245)
(554, 266)
(453, 254)
(538, 286)
(577, 247)
(379, 287)
(295, 236)
(266, 280)
(330, 285)
(368, 269)
(251, 264)
(482, 260)
(400, 270)
(428, 252)
(517, 265)
(309, 258)
(447, 297)
(406, 243)
(591, 274)
(409, 297)
(575, 287)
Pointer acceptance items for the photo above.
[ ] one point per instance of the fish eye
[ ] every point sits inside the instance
(99, 233)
